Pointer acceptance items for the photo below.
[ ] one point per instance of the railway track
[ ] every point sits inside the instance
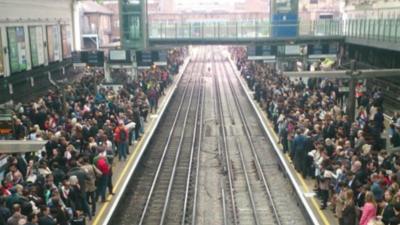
(224, 174)
(273, 199)
(164, 178)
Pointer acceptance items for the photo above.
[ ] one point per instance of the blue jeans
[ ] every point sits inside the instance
(142, 125)
(122, 147)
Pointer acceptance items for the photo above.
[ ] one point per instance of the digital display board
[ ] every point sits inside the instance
(66, 35)
(261, 52)
(95, 58)
(118, 55)
(53, 43)
(1, 58)
(251, 50)
(17, 49)
(162, 56)
(144, 58)
(77, 57)
(36, 45)
(292, 49)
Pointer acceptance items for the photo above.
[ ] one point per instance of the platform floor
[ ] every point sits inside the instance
(121, 169)
(325, 217)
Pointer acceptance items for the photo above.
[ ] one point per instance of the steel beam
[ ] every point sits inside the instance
(358, 74)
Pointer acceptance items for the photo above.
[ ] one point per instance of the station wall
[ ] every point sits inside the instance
(34, 34)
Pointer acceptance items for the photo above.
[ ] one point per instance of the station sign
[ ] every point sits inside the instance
(292, 50)
(120, 56)
(90, 58)
(161, 58)
(318, 57)
(152, 57)
(144, 58)
(261, 52)
(266, 58)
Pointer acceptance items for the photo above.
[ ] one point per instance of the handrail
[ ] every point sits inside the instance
(386, 30)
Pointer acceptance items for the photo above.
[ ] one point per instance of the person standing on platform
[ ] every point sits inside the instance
(369, 209)
(121, 139)
(349, 216)
(101, 163)
(82, 176)
(299, 150)
(92, 173)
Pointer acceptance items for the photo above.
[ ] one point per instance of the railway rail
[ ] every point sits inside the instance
(169, 185)
(165, 174)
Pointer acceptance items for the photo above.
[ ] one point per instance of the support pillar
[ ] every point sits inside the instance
(351, 106)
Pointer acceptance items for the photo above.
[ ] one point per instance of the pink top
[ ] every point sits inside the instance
(368, 213)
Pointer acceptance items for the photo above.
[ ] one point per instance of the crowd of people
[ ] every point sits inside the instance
(355, 176)
(86, 129)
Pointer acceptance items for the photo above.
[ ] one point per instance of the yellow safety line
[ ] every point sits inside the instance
(133, 156)
(299, 177)
(122, 175)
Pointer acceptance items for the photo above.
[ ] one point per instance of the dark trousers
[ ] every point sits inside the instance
(324, 197)
(101, 187)
(110, 183)
(85, 205)
(91, 197)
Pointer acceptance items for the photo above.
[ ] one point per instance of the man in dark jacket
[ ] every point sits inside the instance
(83, 177)
(46, 218)
(299, 150)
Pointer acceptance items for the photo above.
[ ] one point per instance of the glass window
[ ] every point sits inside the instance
(66, 41)
(53, 43)
(36, 45)
(132, 27)
(17, 49)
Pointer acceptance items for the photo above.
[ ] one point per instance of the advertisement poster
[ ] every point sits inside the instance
(53, 43)
(17, 49)
(1, 58)
(66, 41)
(36, 43)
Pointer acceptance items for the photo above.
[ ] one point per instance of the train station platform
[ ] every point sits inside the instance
(302, 186)
(305, 185)
(123, 171)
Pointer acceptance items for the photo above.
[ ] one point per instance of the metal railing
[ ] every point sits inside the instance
(387, 30)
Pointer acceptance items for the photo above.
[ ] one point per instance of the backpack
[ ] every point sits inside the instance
(122, 135)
